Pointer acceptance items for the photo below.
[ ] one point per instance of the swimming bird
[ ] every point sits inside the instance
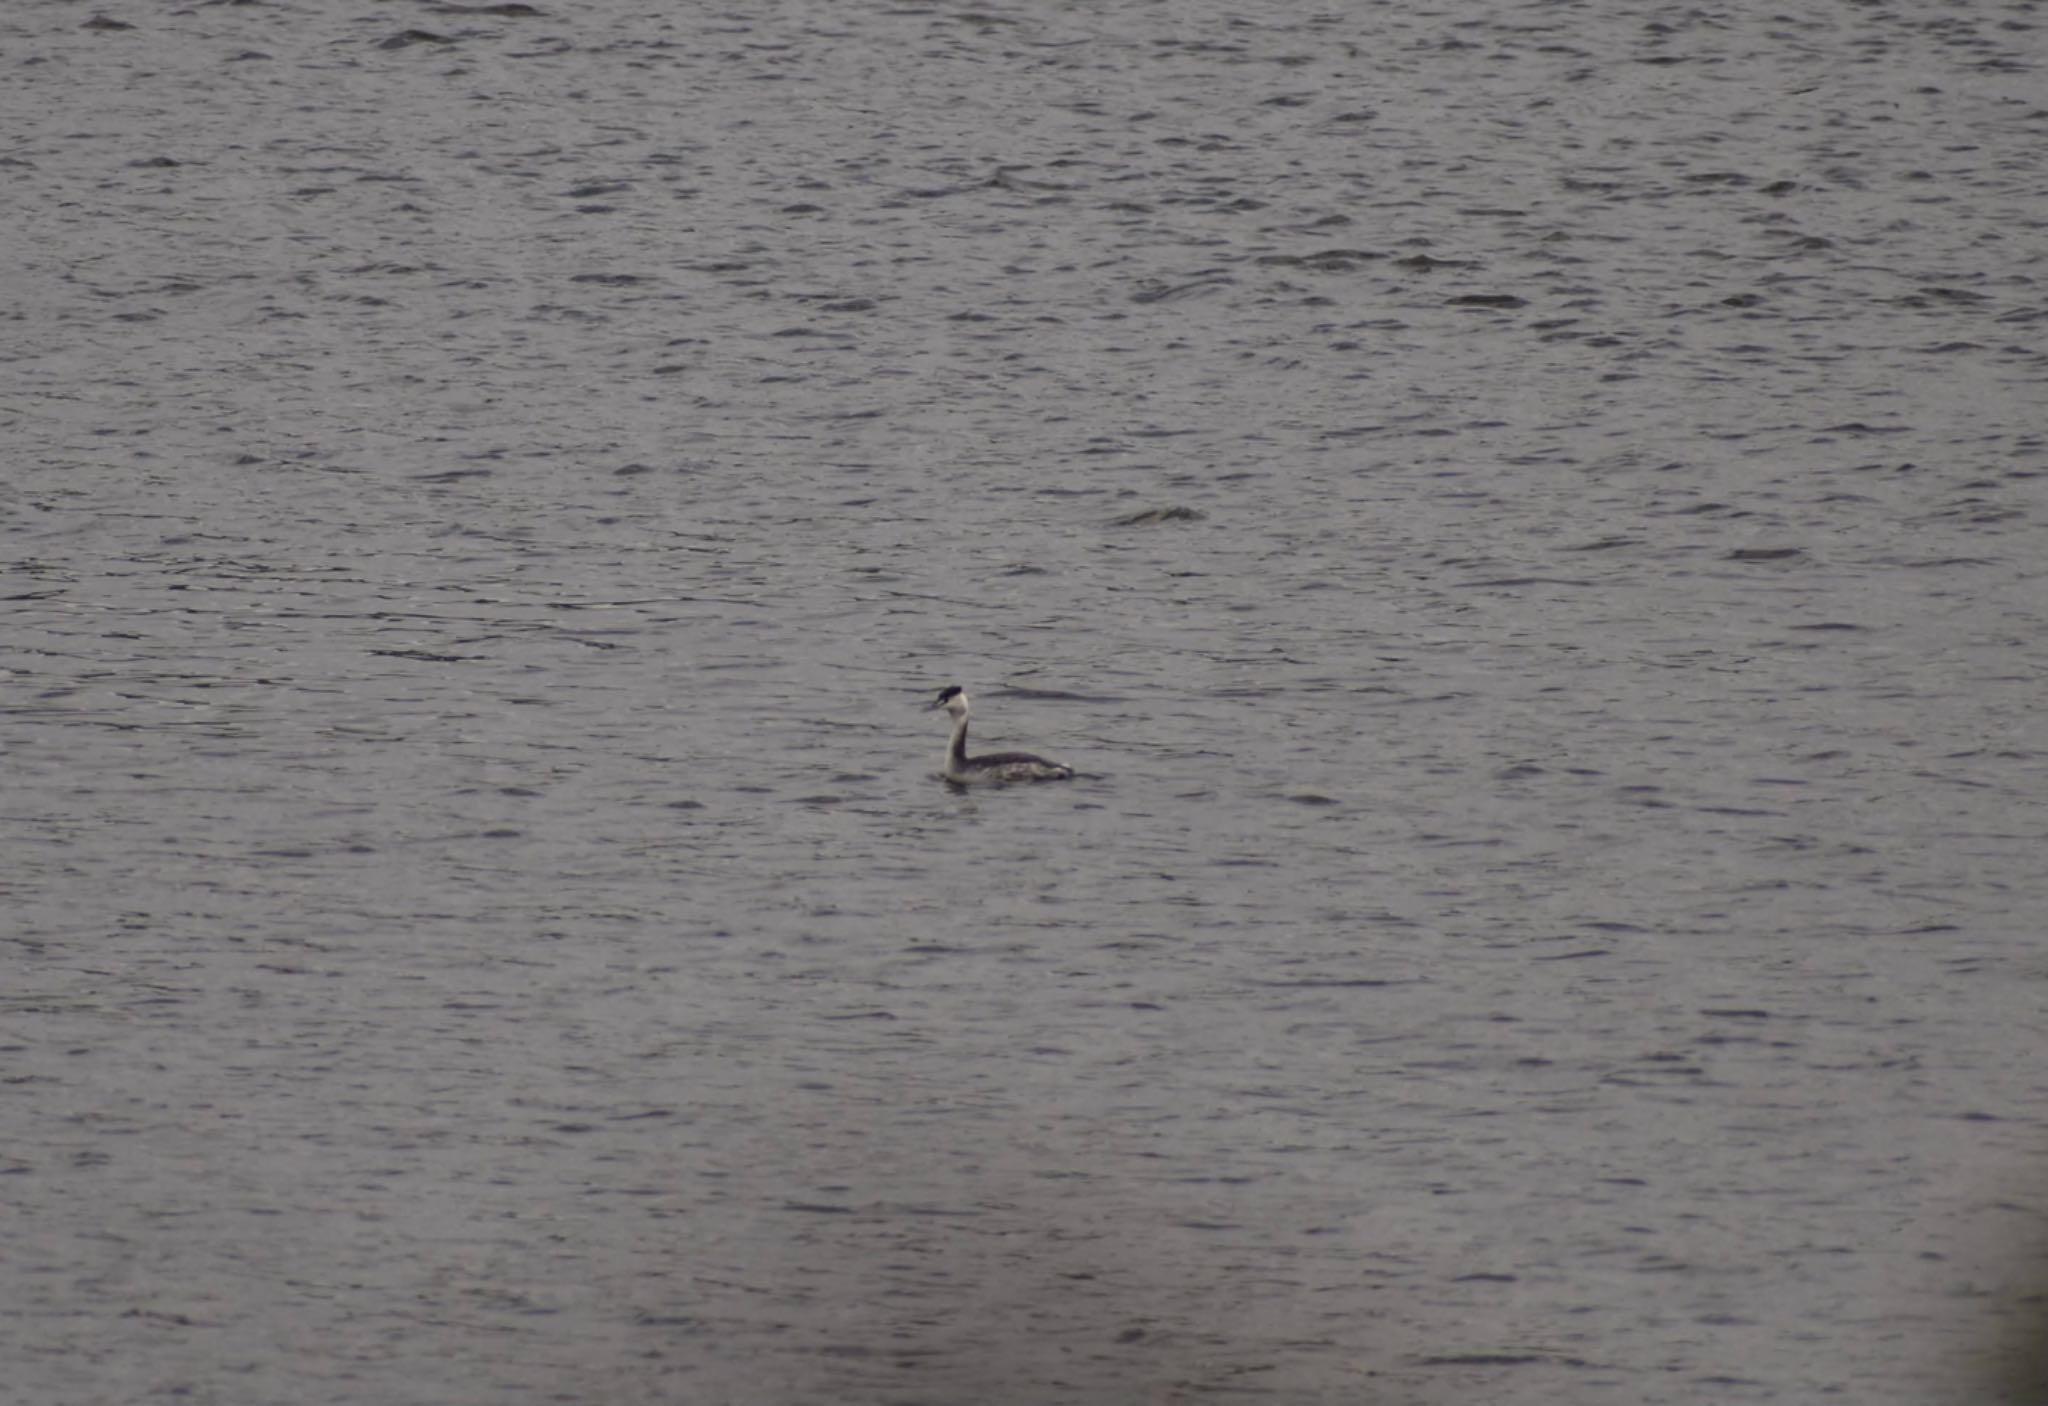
(996, 766)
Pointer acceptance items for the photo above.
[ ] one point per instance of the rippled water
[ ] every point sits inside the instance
(1527, 516)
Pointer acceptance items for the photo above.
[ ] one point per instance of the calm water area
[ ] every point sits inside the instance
(1528, 517)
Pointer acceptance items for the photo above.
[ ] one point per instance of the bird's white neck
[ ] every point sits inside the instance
(956, 750)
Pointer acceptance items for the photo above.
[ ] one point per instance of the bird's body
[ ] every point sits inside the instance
(963, 770)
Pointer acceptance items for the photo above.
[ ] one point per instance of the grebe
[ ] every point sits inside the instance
(996, 766)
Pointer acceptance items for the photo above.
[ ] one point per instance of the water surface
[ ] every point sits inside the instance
(1527, 518)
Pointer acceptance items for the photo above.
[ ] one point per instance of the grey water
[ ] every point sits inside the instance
(1527, 517)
